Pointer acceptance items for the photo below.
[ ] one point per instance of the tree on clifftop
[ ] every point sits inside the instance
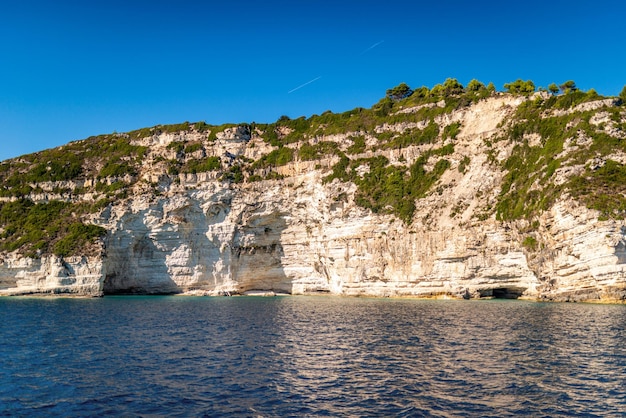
(452, 86)
(475, 85)
(520, 86)
(568, 87)
(554, 89)
(399, 92)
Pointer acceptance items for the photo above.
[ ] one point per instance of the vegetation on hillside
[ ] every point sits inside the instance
(540, 133)
(391, 189)
(389, 110)
(51, 227)
(106, 167)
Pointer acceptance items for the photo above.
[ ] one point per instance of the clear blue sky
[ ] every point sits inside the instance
(72, 69)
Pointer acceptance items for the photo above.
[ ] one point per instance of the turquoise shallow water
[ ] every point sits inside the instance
(309, 356)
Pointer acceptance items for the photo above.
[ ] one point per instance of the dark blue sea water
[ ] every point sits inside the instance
(309, 356)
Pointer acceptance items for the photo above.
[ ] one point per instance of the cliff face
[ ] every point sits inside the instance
(81, 276)
(300, 233)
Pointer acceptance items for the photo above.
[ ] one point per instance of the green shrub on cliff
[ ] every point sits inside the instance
(452, 130)
(358, 145)
(77, 236)
(61, 167)
(322, 149)
(339, 170)
(117, 169)
(191, 148)
(530, 243)
(391, 189)
(234, 174)
(38, 228)
(277, 157)
(202, 165)
(603, 189)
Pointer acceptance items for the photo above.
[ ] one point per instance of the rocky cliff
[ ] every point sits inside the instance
(497, 195)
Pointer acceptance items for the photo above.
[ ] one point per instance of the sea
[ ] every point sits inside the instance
(301, 356)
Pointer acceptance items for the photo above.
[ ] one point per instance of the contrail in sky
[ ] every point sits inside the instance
(372, 47)
(305, 84)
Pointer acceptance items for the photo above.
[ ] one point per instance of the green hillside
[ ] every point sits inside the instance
(48, 197)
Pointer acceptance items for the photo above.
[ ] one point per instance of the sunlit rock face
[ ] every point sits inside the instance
(299, 238)
(78, 276)
(583, 258)
(300, 235)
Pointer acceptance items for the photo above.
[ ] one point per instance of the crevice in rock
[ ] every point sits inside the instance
(502, 293)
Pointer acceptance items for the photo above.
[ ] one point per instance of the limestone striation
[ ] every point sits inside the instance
(79, 276)
(292, 227)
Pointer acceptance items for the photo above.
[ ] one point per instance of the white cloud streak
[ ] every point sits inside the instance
(372, 47)
(305, 84)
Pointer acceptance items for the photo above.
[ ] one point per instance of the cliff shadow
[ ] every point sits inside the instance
(136, 266)
(257, 253)
(509, 292)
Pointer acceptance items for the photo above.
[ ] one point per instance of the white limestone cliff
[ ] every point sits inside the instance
(78, 276)
(297, 235)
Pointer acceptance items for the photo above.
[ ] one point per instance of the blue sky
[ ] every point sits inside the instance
(72, 69)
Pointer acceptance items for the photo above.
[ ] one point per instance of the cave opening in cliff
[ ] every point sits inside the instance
(506, 293)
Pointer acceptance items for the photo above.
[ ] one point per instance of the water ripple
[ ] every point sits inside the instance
(309, 356)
